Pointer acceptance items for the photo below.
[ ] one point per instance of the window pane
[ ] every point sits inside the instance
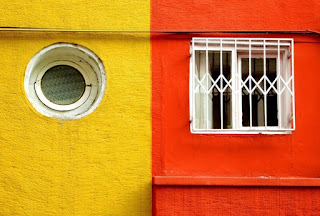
(257, 97)
(245, 93)
(272, 97)
(200, 87)
(257, 108)
(216, 112)
(258, 113)
(222, 91)
(227, 109)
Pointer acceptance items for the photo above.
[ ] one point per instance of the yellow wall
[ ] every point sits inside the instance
(97, 165)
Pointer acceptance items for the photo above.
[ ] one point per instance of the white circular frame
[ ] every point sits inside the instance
(79, 57)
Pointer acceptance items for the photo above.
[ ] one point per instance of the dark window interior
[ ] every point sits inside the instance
(214, 69)
(258, 109)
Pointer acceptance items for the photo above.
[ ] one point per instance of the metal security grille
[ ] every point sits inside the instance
(242, 85)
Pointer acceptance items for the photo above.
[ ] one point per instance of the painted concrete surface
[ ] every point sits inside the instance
(97, 165)
(183, 154)
(177, 152)
(76, 14)
(235, 15)
(234, 201)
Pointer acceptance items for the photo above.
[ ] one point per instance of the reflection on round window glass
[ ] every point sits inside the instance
(63, 84)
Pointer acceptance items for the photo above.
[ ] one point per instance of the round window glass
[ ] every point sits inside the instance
(63, 85)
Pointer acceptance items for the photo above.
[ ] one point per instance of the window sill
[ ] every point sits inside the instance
(242, 131)
(234, 181)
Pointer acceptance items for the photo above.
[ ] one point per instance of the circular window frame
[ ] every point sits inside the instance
(82, 59)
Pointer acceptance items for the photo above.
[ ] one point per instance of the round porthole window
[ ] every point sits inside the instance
(65, 81)
(61, 85)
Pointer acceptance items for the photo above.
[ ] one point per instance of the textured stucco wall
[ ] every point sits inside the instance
(177, 154)
(97, 165)
(77, 14)
(235, 201)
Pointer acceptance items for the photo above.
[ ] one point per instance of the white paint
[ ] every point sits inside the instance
(277, 48)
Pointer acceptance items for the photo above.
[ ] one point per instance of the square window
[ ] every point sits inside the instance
(242, 85)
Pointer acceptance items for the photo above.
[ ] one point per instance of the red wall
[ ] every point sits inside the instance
(200, 201)
(235, 14)
(177, 152)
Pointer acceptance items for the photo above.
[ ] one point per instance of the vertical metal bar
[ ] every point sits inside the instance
(278, 87)
(293, 96)
(207, 72)
(193, 85)
(221, 92)
(234, 86)
(265, 82)
(250, 87)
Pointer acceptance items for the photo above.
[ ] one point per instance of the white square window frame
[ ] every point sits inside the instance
(286, 65)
